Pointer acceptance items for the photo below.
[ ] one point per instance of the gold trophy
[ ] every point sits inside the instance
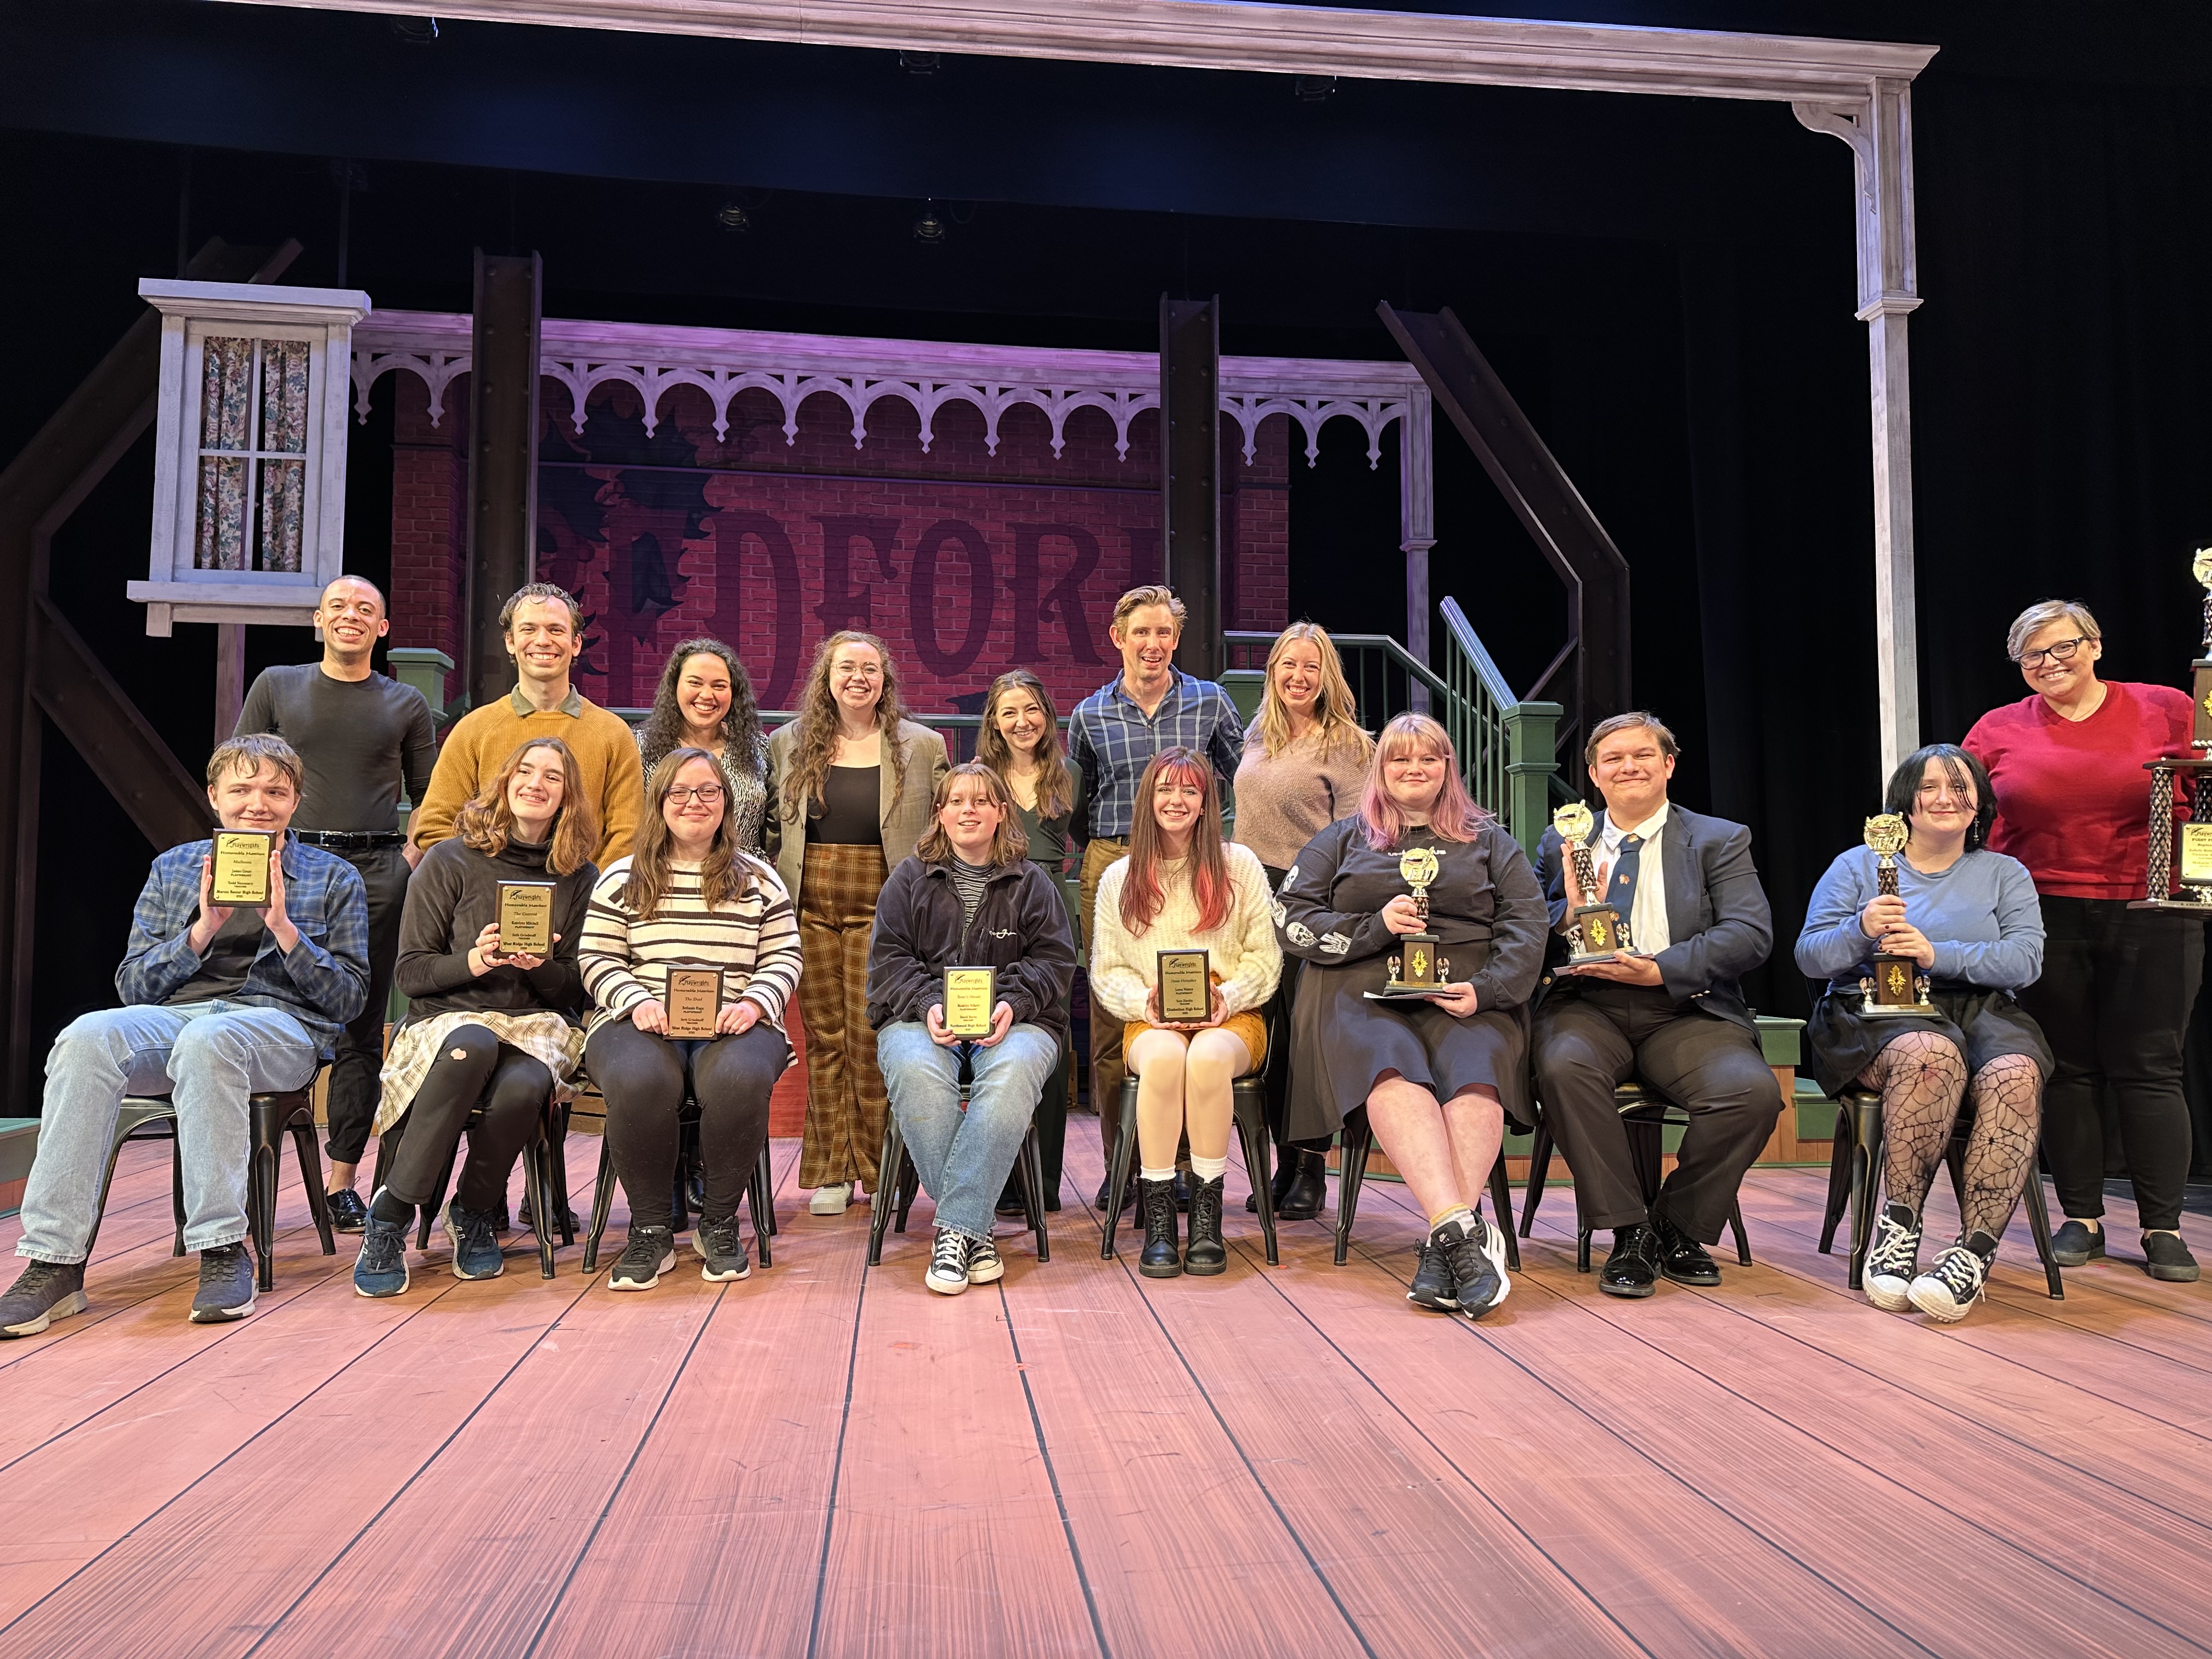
(1596, 930)
(2188, 889)
(1417, 969)
(1898, 987)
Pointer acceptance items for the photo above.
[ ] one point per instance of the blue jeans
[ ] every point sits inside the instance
(963, 1157)
(207, 1057)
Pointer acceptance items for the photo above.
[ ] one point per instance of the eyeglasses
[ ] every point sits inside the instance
(2062, 652)
(1942, 792)
(707, 794)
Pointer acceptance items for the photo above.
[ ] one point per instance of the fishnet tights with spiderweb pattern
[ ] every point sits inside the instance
(1923, 1077)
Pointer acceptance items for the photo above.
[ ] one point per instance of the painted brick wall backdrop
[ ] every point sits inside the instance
(966, 562)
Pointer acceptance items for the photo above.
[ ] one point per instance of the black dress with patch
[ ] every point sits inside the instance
(1491, 922)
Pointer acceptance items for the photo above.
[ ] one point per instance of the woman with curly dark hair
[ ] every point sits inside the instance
(850, 783)
(705, 700)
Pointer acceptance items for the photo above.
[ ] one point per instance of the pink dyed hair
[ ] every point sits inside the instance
(1454, 817)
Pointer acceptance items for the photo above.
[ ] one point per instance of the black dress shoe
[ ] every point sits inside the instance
(1010, 1203)
(1683, 1260)
(348, 1213)
(1632, 1269)
(1128, 1195)
(1301, 1200)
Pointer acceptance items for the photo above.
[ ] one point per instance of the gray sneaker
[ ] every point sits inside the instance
(226, 1285)
(474, 1235)
(42, 1292)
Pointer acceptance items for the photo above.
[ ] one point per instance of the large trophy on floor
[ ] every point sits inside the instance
(1898, 986)
(2192, 838)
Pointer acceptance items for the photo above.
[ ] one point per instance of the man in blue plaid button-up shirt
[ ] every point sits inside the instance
(219, 1004)
(1151, 705)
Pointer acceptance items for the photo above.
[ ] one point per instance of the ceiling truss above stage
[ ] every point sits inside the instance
(927, 375)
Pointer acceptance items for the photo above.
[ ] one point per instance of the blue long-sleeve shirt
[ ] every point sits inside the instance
(321, 981)
(1981, 914)
(1113, 741)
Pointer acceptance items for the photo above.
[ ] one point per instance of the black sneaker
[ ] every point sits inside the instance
(2075, 1245)
(1893, 1261)
(947, 1274)
(650, 1253)
(1432, 1281)
(348, 1214)
(722, 1249)
(1949, 1290)
(1477, 1260)
(43, 1292)
(474, 1236)
(984, 1266)
(2165, 1256)
(226, 1285)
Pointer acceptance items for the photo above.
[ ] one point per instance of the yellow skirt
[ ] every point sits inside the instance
(1248, 1027)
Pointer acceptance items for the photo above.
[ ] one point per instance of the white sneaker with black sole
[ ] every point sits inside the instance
(948, 1263)
(1949, 1290)
(1893, 1261)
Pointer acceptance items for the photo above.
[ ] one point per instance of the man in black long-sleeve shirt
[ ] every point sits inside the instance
(362, 735)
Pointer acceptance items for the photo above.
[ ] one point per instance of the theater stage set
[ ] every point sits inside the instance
(826, 1459)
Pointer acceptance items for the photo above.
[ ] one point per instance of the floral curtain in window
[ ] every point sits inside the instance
(226, 423)
(246, 523)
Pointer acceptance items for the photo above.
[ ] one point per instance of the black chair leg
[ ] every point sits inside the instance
(556, 1168)
(1840, 1192)
(603, 1204)
(1501, 1201)
(2039, 1223)
(1866, 1178)
(1117, 1167)
(761, 1194)
(536, 1187)
(176, 1194)
(1030, 1161)
(884, 1200)
(1252, 1123)
(1735, 1226)
(1357, 1138)
(311, 1176)
(261, 1213)
(1539, 1171)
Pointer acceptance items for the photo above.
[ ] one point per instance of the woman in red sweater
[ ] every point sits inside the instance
(2118, 985)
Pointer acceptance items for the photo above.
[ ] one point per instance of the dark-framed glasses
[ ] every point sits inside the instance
(707, 794)
(2062, 651)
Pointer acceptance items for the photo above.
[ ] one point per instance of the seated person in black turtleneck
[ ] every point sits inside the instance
(1669, 1012)
(485, 1027)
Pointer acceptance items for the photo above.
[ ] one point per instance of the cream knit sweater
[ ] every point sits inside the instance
(1244, 952)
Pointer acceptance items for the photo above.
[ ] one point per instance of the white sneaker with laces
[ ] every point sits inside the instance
(832, 1200)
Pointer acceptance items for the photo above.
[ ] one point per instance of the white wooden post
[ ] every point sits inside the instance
(1880, 133)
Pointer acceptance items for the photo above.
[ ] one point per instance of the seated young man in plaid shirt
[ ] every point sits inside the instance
(218, 1004)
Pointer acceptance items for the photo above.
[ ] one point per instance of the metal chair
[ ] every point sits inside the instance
(1645, 1113)
(1248, 1100)
(270, 1115)
(897, 1181)
(1355, 1141)
(760, 1194)
(1852, 1181)
(544, 1178)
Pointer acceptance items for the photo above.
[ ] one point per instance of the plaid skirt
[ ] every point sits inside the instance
(545, 1037)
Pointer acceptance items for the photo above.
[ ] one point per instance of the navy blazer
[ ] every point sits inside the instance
(1716, 912)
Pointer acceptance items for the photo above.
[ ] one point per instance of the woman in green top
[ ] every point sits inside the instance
(1020, 740)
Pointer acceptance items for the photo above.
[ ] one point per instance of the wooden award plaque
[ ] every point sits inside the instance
(1186, 987)
(694, 1003)
(525, 919)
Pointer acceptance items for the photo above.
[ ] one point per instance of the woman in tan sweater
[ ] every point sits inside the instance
(1181, 888)
(1305, 762)
(849, 785)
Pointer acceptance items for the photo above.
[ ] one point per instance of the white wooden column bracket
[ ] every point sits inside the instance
(1879, 130)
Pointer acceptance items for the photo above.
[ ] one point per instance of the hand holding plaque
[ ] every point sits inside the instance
(239, 869)
(1184, 987)
(525, 919)
(694, 1003)
(971, 1002)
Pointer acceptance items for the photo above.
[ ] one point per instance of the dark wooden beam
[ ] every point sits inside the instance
(502, 460)
(1190, 475)
(42, 663)
(1537, 487)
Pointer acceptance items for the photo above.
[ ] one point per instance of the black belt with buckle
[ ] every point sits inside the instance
(350, 841)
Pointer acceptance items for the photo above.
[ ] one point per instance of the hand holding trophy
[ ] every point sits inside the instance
(1596, 930)
(1898, 987)
(1417, 969)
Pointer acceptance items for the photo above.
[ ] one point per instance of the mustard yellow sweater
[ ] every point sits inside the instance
(608, 775)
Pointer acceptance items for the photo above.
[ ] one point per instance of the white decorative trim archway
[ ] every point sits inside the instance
(1858, 90)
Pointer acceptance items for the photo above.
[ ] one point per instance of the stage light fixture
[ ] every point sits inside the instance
(930, 228)
(918, 63)
(1313, 88)
(416, 30)
(732, 216)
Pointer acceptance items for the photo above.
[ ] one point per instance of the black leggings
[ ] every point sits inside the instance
(473, 1068)
(2114, 1001)
(644, 1079)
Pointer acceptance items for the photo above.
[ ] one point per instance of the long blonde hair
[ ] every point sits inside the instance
(1056, 789)
(814, 745)
(725, 877)
(486, 824)
(1335, 713)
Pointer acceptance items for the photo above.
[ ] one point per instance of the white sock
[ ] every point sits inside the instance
(1209, 1169)
(1167, 1174)
(1466, 1217)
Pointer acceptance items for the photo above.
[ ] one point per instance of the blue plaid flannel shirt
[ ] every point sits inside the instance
(322, 981)
(1113, 742)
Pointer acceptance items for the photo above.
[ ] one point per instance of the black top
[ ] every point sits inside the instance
(229, 958)
(1051, 839)
(852, 808)
(359, 739)
(1019, 927)
(453, 897)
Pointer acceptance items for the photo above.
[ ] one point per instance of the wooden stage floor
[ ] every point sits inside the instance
(822, 1461)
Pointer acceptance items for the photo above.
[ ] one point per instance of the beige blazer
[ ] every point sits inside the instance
(905, 818)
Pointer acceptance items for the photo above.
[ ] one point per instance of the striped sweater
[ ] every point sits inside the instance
(755, 941)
